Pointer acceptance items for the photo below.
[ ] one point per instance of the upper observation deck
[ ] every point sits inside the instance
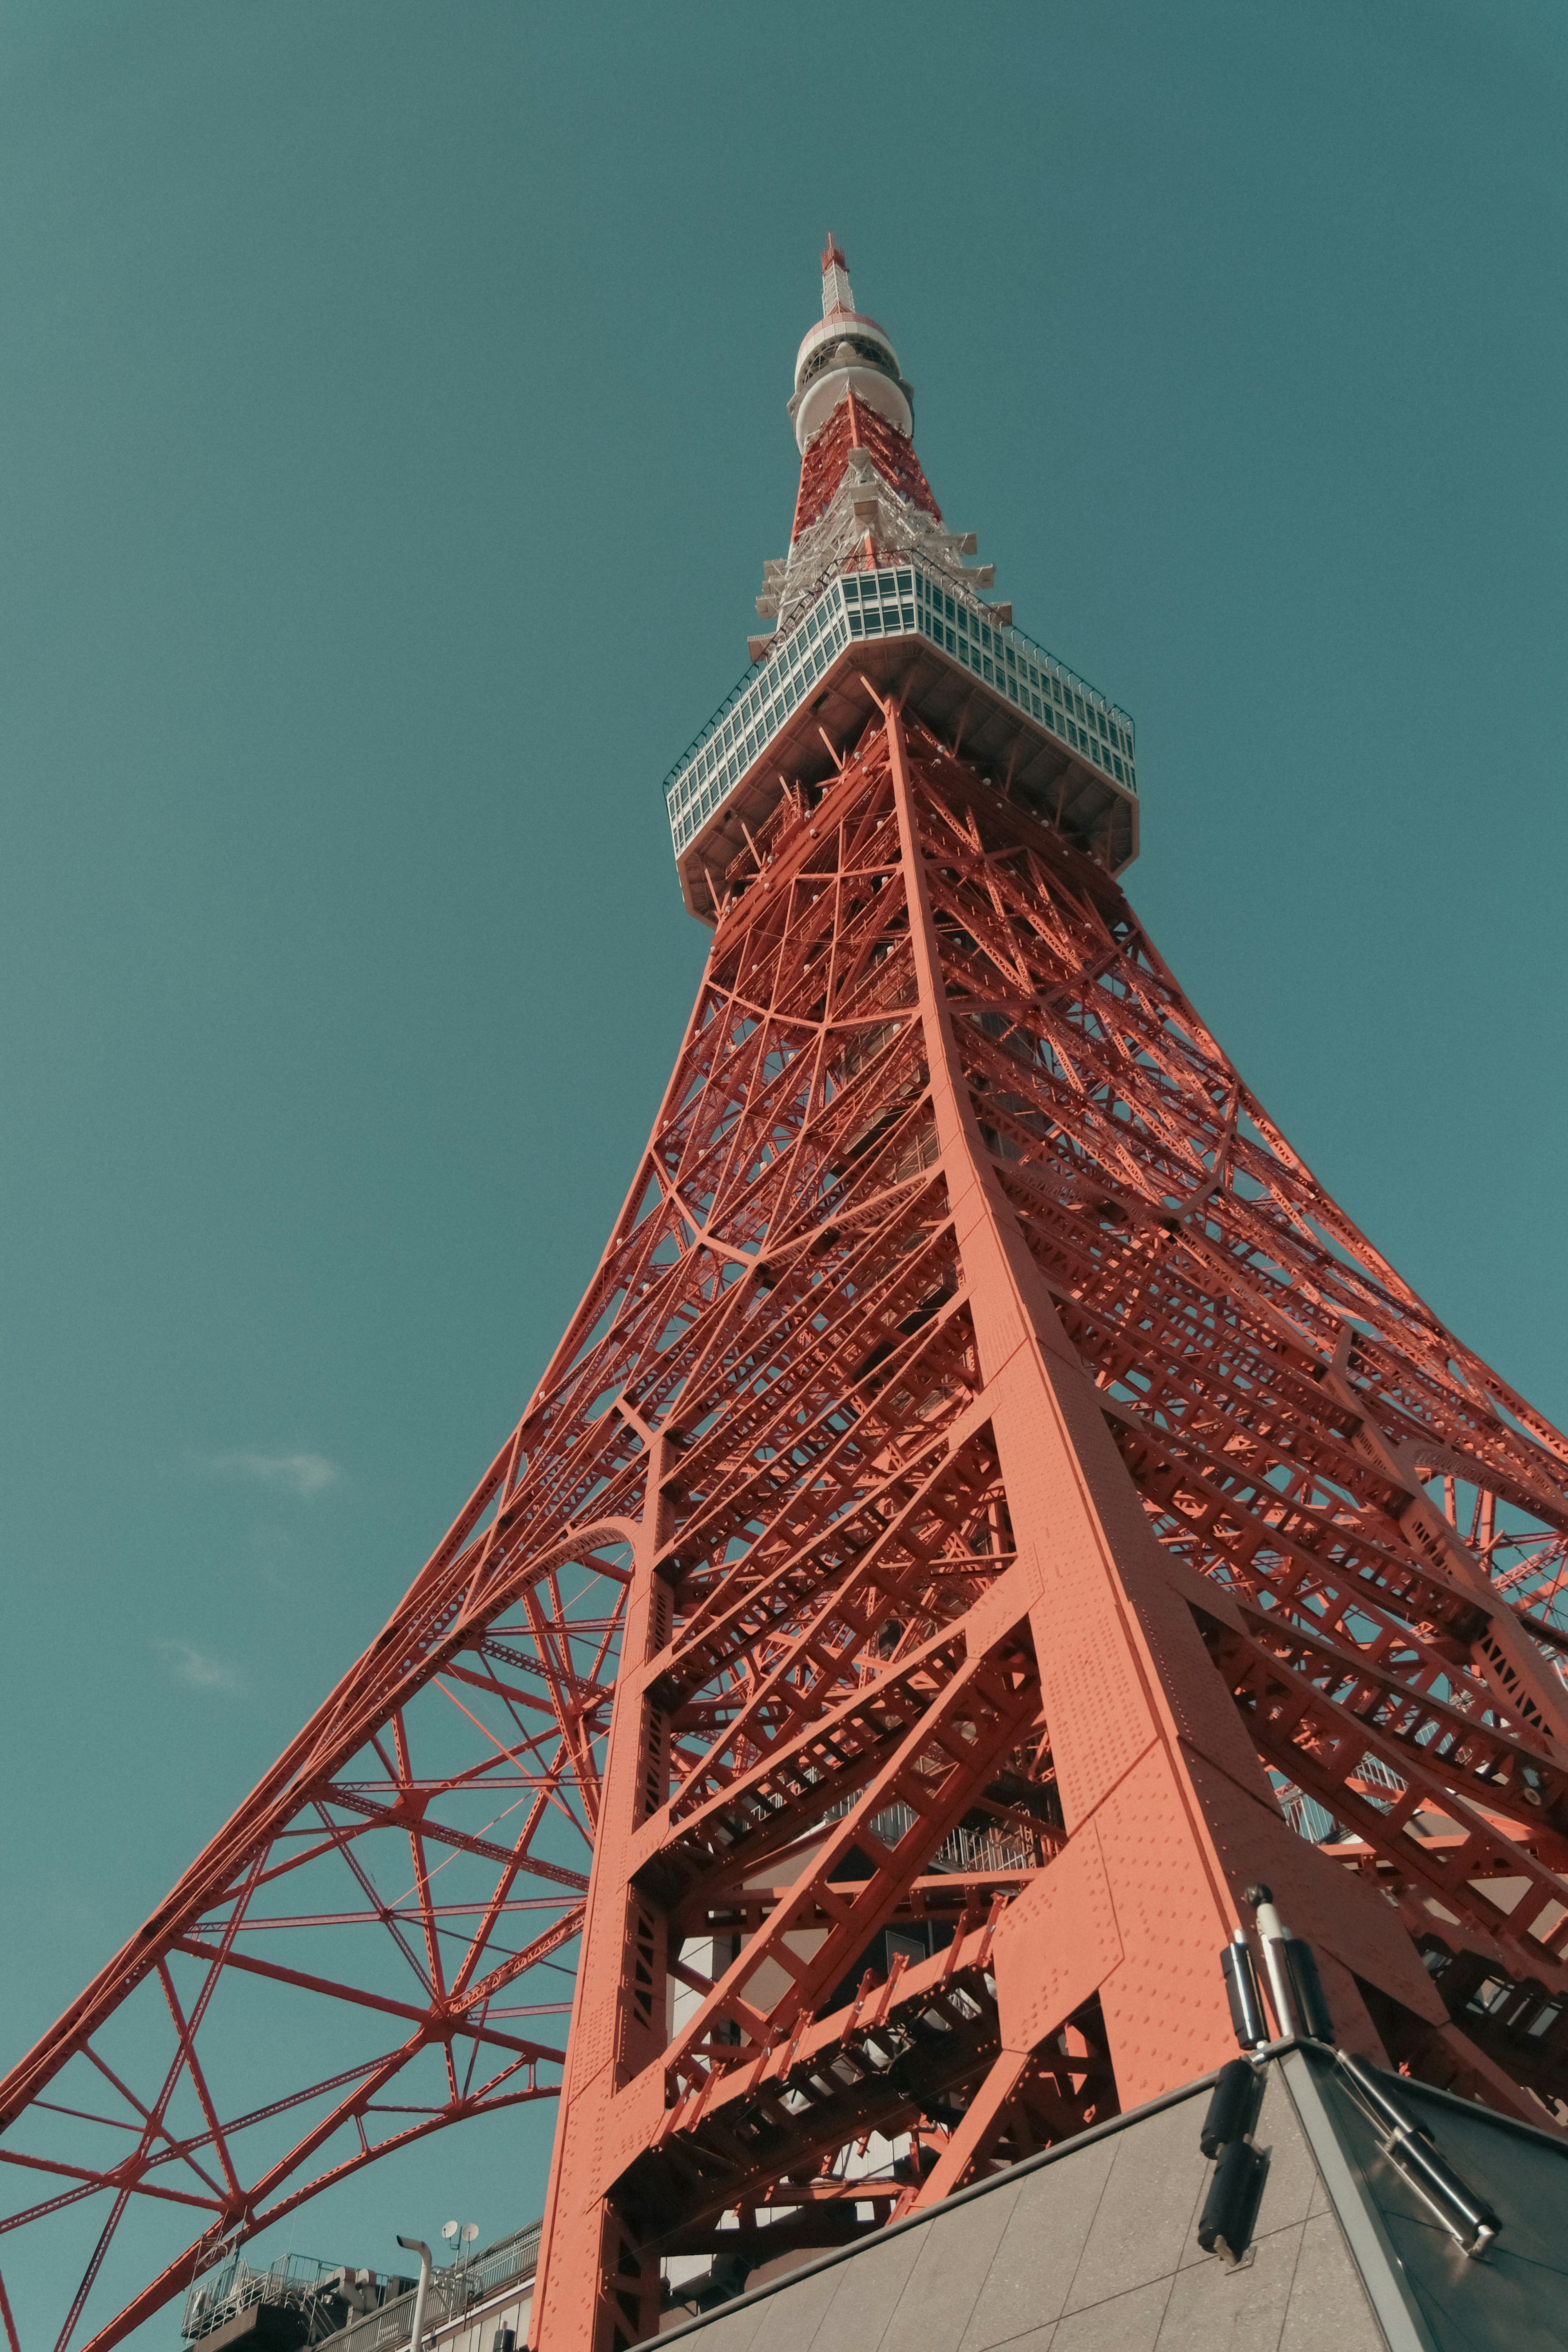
(1019, 716)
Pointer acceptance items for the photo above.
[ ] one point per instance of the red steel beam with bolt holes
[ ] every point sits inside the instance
(985, 1468)
(978, 1112)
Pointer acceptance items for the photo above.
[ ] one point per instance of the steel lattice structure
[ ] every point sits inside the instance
(991, 1505)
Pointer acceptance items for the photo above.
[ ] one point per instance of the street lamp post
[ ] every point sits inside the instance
(417, 2246)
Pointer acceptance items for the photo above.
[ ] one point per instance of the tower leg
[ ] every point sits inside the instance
(1152, 1764)
(1087, 1632)
(595, 2288)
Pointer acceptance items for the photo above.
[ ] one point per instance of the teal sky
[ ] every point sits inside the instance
(391, 401)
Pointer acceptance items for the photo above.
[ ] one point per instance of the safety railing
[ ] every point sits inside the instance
(905, 599)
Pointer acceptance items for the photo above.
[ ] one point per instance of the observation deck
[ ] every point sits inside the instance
(1016, 713)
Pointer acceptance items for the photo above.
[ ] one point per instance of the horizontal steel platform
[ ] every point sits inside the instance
(983, 687)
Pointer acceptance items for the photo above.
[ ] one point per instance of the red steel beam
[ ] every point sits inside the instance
(985, 1465)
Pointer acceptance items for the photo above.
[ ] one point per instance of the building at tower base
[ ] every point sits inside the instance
(1095, 2245)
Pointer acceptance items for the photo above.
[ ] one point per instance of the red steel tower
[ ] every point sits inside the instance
(990, 1508)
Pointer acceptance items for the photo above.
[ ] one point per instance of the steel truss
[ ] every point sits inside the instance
(987, 1478)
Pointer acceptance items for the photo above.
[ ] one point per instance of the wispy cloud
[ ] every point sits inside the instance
(301, 1474)
(194, 1667)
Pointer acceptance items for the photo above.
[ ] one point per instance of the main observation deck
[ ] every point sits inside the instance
(1019, 715)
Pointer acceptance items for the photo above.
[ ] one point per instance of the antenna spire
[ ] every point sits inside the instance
(838, 294)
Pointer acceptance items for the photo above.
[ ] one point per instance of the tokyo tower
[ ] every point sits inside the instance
(990, 1510)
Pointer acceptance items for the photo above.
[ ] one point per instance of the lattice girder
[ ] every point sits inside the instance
(985, 1466)
(1065, 1136)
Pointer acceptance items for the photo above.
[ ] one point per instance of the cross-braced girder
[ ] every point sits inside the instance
(1016, 1162)
(987, 1484)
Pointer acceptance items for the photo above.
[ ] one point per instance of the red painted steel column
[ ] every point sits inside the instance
(1168, 1812)
(618, 2014)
